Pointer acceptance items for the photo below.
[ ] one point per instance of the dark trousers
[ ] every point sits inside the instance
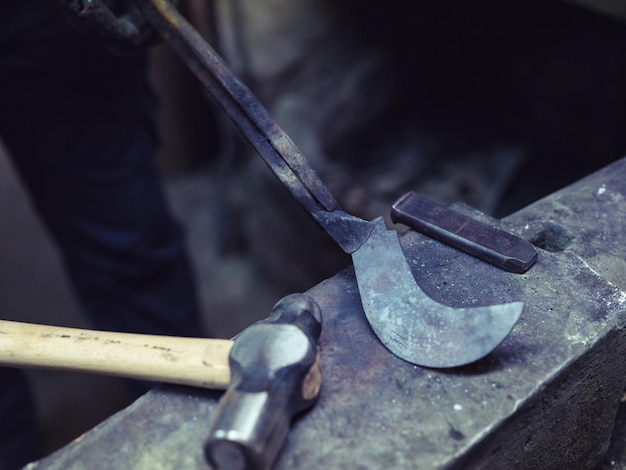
(79, 126)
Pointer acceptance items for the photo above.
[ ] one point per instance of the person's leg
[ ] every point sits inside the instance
(78, 122)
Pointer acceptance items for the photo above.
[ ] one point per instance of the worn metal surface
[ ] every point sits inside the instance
(546, 398)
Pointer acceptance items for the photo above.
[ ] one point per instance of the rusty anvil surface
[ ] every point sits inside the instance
(546, 398)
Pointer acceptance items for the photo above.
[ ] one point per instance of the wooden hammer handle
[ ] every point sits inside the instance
(189, 361)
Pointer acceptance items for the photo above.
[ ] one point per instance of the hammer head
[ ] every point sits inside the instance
(274, 375)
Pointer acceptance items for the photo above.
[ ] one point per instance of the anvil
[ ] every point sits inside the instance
(546, 398)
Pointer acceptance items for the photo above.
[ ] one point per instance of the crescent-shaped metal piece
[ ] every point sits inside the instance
(413, 326)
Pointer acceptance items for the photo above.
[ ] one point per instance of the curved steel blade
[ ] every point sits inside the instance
(413, 326)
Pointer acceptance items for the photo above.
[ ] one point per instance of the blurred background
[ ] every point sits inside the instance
(492, 103)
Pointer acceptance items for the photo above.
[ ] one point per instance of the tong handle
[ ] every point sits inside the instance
(244, 109)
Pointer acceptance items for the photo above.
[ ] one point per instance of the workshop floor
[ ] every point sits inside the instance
(33, 288)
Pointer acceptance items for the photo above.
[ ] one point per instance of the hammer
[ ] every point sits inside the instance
(274, 374)
(270, 370)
